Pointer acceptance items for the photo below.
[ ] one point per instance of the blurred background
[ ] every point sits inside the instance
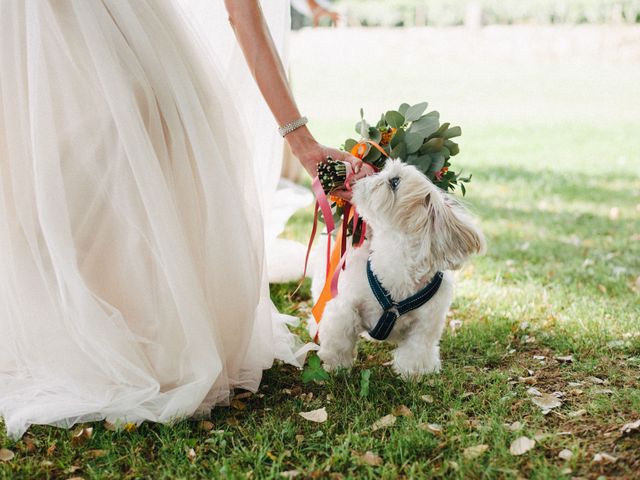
(548, 97)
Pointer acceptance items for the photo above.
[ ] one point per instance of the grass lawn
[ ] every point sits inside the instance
(554, 306)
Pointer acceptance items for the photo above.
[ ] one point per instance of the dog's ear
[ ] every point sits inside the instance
(452, 231)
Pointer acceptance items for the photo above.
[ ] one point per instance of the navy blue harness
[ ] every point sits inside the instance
(393, 310)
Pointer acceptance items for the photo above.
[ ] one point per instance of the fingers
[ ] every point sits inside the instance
(342, 193)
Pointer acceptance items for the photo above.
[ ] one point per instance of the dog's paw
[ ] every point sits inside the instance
(332, 361)
(412, 367)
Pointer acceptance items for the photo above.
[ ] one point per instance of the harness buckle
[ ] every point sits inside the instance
(392, 309)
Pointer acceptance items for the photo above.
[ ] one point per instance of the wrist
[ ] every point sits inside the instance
(300, 141)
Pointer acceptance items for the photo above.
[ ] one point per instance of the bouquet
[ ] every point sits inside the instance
(408, 134)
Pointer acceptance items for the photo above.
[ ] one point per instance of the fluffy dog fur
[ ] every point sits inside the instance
(417, 230)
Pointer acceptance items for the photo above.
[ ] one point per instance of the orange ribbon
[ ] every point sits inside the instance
(336, 259)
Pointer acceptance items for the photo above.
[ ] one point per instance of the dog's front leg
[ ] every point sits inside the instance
(338, 333)
(418, 353)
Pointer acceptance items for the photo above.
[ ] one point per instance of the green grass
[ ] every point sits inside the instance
(560, 204)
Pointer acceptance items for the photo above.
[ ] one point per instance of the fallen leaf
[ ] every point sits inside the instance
(534, 391)
(299, 439)
(237, 404)
(467, 394)
(97, 453)
(427, 398)
(290, 473)
(547, 402)
(521, 446)
(369, 458)
(539, 357)
(604, 458)
(577, 413)
(515, 426)
(52, 448)
(603, 391)
(6, 455)
(565, 359)
(386, 421)
(454, 326)
(206, 425)
(473, 452)
(402, 411)
(318, 416)
(81, 435)
(191, 454)
(629, 427)
(434, 428)
(565, 454)
(596, 380)
(110, 426)
(243, 395)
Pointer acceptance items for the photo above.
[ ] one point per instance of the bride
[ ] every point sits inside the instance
(135, 168)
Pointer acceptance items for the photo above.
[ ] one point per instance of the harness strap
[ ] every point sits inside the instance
(393, 310)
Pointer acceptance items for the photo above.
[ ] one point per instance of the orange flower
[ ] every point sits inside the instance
(387, 136)
(337, 200)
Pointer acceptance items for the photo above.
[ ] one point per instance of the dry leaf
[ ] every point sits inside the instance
(52, 449)
(566, 358)
(521, 446)
(6, 455)
(299, 439)
(565, 454)
(238, 405)
(97, 453)
(597, 380)
(604, 458)
(629, 427)
(290, 473)
(427, 398)
(386, 421)
(369, 458)
(81, 435)
(242, 395)
(534, 391)
(604, 391)
(402, 411)
(191, 454)
(434, 428)
(539, 357)
(206, 425)
(515, 426)
(473, 452)
(577, 413)
(110, 426)
(547, 402)
(318, 416)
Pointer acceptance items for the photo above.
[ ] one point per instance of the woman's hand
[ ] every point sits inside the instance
(310, 153)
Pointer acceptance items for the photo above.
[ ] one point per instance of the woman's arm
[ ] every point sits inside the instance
(254, 38)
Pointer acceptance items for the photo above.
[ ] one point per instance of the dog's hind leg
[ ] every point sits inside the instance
(338, 334)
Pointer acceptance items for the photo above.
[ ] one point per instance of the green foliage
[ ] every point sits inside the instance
(314, 371)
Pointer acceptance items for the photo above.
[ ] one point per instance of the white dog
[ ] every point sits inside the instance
(418, 233)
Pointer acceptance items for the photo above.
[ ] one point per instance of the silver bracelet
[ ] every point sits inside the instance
(291, 126)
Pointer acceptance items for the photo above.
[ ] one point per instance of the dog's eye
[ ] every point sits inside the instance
(394, 182)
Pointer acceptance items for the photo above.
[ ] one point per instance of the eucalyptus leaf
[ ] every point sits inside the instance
(374, 134)
(349, 144)
(382, 123)
(421, 162)
(413, 141)
(399, 151)
(397, 138)
(372, 156)
(362, 128)
(426, 125)
(453, 132)
(437, 162)
(440, 131)
(415, 112)
(394, 119)
(433, 145)
(403, 108)
(452, 146)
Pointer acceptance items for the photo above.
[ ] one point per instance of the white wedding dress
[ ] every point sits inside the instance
(136, 163)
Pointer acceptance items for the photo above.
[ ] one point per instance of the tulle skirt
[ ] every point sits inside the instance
(132, 284)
